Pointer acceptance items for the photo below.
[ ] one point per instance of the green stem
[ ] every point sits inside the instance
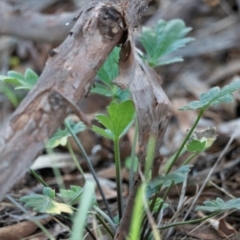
(56, 171)
(160, 207)
(189, 222)
(190, 158)
(75, 160)
(185, 141)
(106, 217)
(118, 177)
(39, 179)
(145, 220)
(133, 155)
(105, 225)
(90, 167)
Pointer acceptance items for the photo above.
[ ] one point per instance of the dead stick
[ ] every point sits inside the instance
(73, 66)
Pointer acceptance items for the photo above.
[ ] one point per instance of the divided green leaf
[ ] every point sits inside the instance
(219, 205)
(109, 69)
(72, 195)
(107, 73)
(26, 81)
(61, 136)
(163, 39)
(118, 121)
(213, 97)
(166, 180)
(45, 203)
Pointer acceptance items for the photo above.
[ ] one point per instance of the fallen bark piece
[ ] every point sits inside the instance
(72, 67)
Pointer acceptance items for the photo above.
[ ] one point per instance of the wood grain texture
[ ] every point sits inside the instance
(153, 111)
(68, 71)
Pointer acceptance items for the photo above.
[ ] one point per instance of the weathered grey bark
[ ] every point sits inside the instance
(153, 110)
(67, 73)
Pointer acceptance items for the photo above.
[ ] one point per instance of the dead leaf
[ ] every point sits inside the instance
(223, 228)
(20, 230)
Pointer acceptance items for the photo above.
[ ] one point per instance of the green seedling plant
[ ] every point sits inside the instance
(116, 125)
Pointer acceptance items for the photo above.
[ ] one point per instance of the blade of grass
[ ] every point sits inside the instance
(75, 160)
(110, 233)
(133, 154)
(106, 217)
(38, 178)
(56, 171)
(90, 167)
(82, 213)
(135, 228)
(159, 208)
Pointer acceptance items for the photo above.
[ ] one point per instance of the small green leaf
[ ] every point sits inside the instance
(163, 39)
(109, 69)
(166, 180)
(45, 204)
(214, 96)
(107, 73)
(72, 195)
(196, 146)
(60, 136)
(119, 119)
(219, 205)
(201, 140)
(31, 77)
(102, 90)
